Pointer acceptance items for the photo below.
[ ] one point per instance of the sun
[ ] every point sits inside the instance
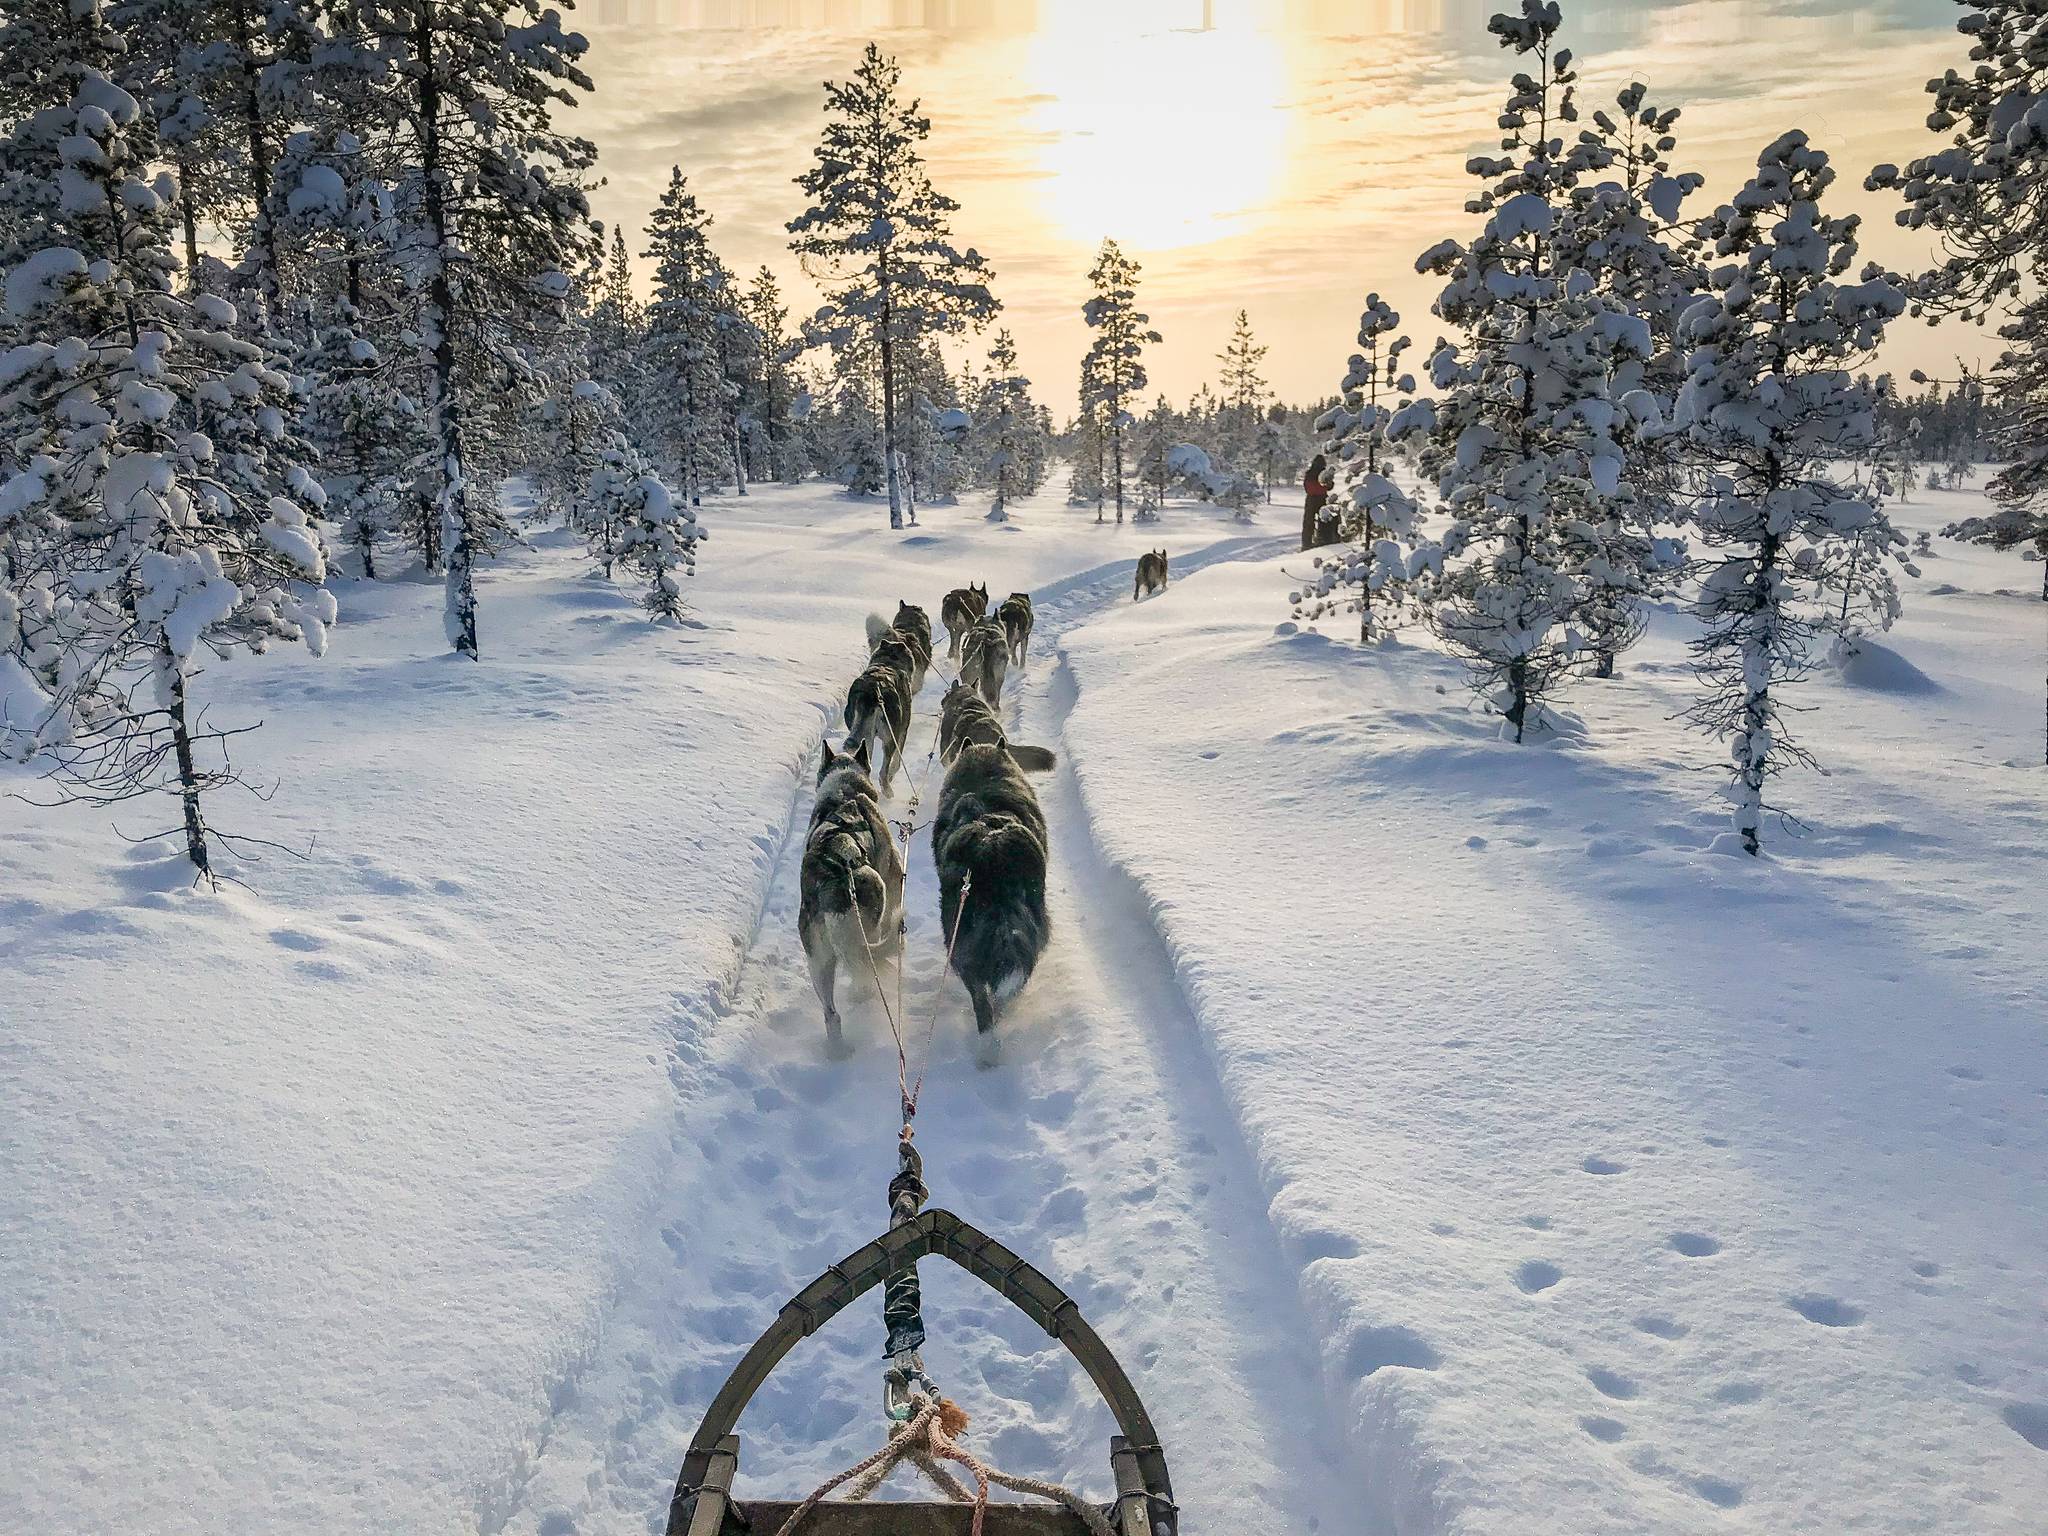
(1156, 135)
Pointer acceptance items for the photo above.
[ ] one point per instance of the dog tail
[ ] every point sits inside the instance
(877, 627)
(857, 928)
(866, 722)
(1033, 759)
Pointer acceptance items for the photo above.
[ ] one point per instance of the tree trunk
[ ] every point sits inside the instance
(739, 461)
(190, 219)
(888, 348)
(453, 499)
(268, 280)
(188, 772)
(1756, 708)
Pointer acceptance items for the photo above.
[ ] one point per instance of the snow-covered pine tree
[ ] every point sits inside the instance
(492, 217)
(1520, 442)
(1770, 410)
(658, 534)
(1981, 195)
(769, 317)
(1627, 231)
(149, 458)
(362, 427)
(879, 236)
(1009, 443)
(1087, 445)
(1158, 434)
(682, 340)
(1378, 520)
(1244, 392)
(1115, 369)
(618, 333)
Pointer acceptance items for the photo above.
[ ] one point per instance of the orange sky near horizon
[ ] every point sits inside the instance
(1282, 156)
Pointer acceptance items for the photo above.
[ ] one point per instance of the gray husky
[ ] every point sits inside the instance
(966, 720)
(1016, 617)
(878, 715)
(962, 606)
(1151, 574)
(851, 906)
(906, 643)
(985, 658)
(988, 841)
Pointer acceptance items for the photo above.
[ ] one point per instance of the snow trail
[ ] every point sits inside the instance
(1100, 1149)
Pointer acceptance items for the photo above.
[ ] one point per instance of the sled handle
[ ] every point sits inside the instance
(935, 1233)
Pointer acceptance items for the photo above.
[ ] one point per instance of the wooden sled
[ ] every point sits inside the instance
(703, 1504)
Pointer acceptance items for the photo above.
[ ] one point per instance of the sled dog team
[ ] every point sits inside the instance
(988, 838)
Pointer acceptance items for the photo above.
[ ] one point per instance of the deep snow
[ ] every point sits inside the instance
(1444, 1139)
(1634, 1187)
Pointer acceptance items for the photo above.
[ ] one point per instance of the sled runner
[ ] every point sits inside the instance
(703, 1504)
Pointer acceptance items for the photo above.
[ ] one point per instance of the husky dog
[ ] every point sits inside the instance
(907, 641)
(851, 907)
(985, 658)
(966, 720)
(1151, 573)
(1017, 620)
(988, 841)
(878, 715)
(963, 605)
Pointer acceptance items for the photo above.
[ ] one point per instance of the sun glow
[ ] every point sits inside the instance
(1158, 135)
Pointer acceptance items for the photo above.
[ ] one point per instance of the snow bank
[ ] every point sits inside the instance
(1630, 1189)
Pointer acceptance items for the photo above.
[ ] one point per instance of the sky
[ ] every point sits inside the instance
(1286, 157)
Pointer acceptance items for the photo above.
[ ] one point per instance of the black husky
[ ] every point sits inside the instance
(878, 716)
(1017, 620)
(963, 605)
(1151, 573)
(907, 642)
(966, 720)
(989, 844)
(851, 903)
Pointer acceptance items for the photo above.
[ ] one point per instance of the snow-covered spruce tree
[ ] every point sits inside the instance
(1626, 229)
(1770, 411)
(1158, 434)
(1520, 443)
(1114, 373)
(1378, 521)
(777, 390)
(1244, 392)
(1985, 196)
(879, 237)
(149, 462)
(617, 333)
(683, 340)
(363, 428)
(1087, 446)
(1010, 441)
(491, 215)
(657, 534)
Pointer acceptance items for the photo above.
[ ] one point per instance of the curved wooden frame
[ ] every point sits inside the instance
(1144, 1491)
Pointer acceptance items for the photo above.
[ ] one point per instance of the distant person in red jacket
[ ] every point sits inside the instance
(1316, 487)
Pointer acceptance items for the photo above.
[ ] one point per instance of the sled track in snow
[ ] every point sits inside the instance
(1101, 1148)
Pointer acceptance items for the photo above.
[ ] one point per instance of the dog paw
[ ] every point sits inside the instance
(988, 1052)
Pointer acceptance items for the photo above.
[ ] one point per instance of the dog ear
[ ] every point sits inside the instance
(860, 756)
(827, 762)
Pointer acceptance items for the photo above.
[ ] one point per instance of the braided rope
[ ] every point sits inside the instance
(925, 1441)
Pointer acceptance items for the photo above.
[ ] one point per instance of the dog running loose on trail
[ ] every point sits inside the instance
(961, 608)
(1151, 574)
(907, 641)
(1015, 614)
(989, 843)
(985, 658)
(966, 719)
(850, 907)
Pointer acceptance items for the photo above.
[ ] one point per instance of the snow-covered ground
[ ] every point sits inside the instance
(1442, 1137)
(1632, 1187)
